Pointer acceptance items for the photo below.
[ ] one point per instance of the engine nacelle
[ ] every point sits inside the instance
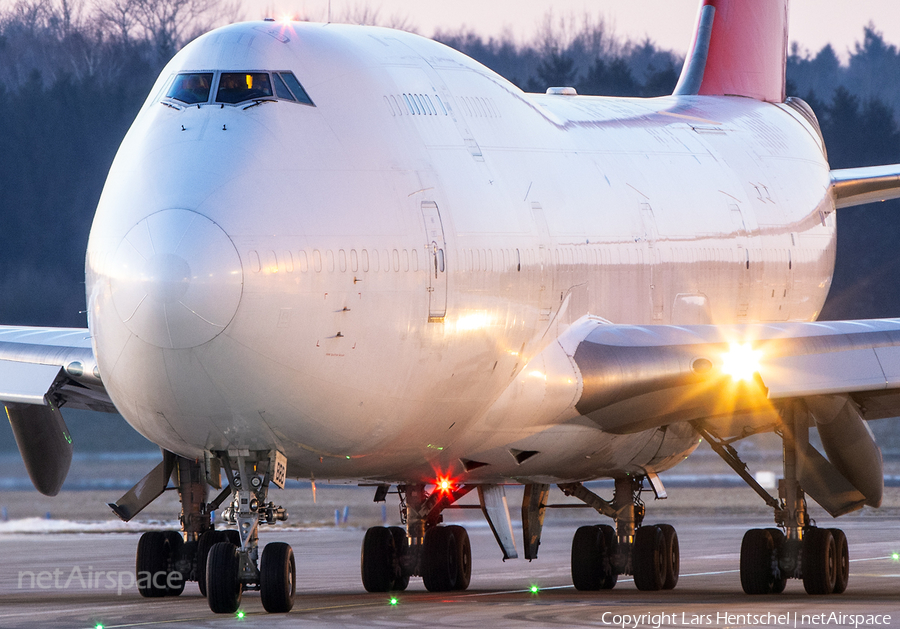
(44, 443)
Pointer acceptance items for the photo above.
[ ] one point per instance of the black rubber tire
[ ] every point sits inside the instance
(757, 556)
(377, 560)
(588, 550)
(819, 561)
(439, 559)
(401, 550)
(672, 554)
(223, 585)
(648, 559)
(174, 584)
(207, 540)
(151, 560)
(277, 578)
(610, 576)
(463, 557)
(778, 540)
(842, 561)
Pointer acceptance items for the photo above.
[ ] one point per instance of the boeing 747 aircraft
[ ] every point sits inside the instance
(349, 253)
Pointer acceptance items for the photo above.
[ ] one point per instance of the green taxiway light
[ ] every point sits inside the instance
(394, 600)
(99, 625)
(534, 589)
(896, 556)
(240, 614)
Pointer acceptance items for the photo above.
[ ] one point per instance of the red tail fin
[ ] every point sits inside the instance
(739, 48)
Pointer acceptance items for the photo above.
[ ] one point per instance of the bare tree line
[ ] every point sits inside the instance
(83, 38)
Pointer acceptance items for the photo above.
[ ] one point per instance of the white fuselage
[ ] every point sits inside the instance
(370, 291)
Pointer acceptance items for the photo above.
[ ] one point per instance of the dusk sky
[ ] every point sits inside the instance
(667, 22)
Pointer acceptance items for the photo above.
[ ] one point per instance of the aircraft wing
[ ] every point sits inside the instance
(734, 381)
(856, 186)
(638, 377)
(44, 366)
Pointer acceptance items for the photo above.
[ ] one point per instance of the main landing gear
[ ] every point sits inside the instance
(223, 563)
(441, 555)
(797, 549)
(601, 553)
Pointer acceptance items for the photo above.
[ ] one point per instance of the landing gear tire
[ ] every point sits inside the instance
(157, 552)
(819, 561)
(446, 559)
(648, 558)
(592, 549)
(759, 561)
(382, 559)
(464, 557)
(175, 581)
(842, 561)
(277, 575)
(377, 560)
(401, 550)
(673, 555)
(223, 585)
(207, 541)
(778, 539)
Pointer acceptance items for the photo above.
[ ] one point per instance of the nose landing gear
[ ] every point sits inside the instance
(224, 563)
(231, 568)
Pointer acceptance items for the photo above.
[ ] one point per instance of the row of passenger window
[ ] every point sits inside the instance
(423, 105)
(479, 107)
(488, 260)
(365, 261)
(232, 88)
(415, 105)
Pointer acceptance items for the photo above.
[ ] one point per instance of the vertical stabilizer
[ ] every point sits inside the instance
(739, 49)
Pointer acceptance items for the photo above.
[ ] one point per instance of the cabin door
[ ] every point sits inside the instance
(437, 262)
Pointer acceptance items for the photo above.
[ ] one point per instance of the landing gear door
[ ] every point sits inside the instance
(436, 263)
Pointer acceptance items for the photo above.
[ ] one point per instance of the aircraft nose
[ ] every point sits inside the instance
(178, 279)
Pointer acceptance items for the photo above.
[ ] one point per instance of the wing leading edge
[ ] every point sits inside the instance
(856, 186)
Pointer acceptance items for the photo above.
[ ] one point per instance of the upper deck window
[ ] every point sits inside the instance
(191, 88)
(237, 87)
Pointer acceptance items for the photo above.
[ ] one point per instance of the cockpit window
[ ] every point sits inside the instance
(296, 88)
(191, 88)
(236, 87)
(281, 90)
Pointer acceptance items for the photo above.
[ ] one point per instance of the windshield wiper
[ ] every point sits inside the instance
(259, 102)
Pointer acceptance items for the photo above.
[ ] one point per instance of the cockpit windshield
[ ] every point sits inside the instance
(237, 87)
(191, 88)
(234, 88)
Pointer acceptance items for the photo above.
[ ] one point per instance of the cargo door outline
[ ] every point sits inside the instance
(437, 262)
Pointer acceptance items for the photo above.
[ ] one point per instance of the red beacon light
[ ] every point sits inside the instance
(444, 484)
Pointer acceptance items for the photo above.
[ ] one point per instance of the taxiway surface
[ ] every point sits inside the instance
(81, 594)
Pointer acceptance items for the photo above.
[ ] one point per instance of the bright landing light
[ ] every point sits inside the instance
(741, 361)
